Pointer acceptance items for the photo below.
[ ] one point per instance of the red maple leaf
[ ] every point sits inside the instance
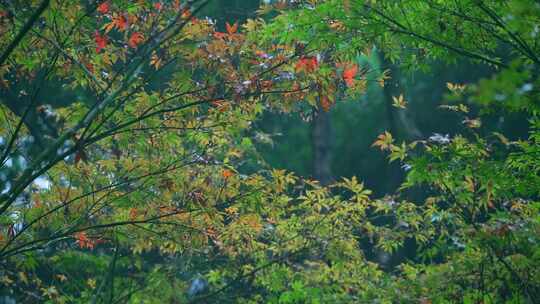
(349, 73)
(101, 41)
(219, 35)
(103, 7)
(158, 6)
(90, 67)
(135, 39)
(308, 64)
(325, 103)
(80, 155)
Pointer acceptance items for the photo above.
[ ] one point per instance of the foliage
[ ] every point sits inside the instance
(154, 190)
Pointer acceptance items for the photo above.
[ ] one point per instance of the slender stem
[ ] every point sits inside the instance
(27, 26)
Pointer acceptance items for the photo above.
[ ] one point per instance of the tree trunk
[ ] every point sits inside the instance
(321, 136)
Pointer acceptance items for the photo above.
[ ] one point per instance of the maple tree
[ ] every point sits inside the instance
(151, 193)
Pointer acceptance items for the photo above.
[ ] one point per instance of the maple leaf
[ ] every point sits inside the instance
(336, 25)
(109, 26)
(472, 123)
(61, 277)
(37, 203)
(264, 9)
(231, 29)
(83, 241)
(384, 141)
(135, 39)
(133, 212)
(349, 73)
(80, 155)
(456, 87)
(77, 158)
(308, 64)
(155, 61)
(186, 14)
(121, 23)
(457, 108)
(101, 41)
(384, 76)
(221, 105)
(227, 173)
(158, 6)
(104, 7)
(231, 210)
(219, 35)
(90, 67)
(325, 103)
(399, 102)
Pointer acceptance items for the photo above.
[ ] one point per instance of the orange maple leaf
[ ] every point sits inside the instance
(83, 241)
(227, 173)
(135, 39)
(186, 14)
(121, 22)
(103, 7)
(101, 41)
(231, 29)
(133, 213)
(349, 73)
(37, 203)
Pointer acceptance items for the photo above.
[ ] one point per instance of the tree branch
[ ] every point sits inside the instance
(27, 26)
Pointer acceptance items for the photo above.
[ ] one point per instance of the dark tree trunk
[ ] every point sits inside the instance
(321, 136)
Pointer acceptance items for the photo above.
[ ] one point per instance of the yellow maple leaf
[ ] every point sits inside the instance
(155, 61)
(61, 277)
(384, 141)
(454, 87)
(399, 102)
